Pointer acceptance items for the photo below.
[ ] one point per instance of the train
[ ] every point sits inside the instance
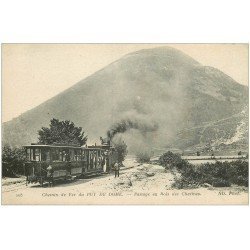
(50, 163)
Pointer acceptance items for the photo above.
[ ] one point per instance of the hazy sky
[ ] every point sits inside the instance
(33, 73)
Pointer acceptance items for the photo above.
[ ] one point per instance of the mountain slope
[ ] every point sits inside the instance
(161, 86)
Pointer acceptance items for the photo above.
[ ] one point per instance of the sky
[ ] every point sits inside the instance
(34, 73)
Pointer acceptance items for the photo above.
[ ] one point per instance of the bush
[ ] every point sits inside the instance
(184, 183)
(144, 157)
(238, 173)
(221, 174)
(170, 160)
(12, 161)
(221, 183)
(218, 174)
(181, 183)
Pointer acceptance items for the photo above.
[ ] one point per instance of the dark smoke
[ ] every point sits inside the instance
(125, 125)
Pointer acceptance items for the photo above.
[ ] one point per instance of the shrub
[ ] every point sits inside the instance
(238, 173)
(221, 183)
(170, 160)
(181, 183)
(218, 174)
(12, 161)
(185, 183)
(144, 157)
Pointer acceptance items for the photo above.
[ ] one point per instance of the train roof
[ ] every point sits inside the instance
(50, 146)
(65, 146)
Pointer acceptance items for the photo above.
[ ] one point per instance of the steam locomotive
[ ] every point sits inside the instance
(50, 163)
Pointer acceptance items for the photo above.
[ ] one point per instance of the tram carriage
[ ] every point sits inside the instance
(49, 163)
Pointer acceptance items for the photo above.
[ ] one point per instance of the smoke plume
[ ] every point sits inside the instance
(125, 125)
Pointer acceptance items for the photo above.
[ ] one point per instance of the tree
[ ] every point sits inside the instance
(198, 153)
(63, 132)
(121, 149)
(12, 161)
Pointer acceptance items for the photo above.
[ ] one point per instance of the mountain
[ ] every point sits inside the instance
(190, 105)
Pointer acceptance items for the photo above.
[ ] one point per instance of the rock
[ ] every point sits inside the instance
(149, 174)
(141, 168)
(120, 183)
(207, 185)
(124, 183)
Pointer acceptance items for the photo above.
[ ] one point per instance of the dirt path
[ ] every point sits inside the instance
(137, 177)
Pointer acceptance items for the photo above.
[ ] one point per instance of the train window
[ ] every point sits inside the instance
(67, 155)
(84, 155)
(55, 154)
(63, 155)
(75, 155)
(28, 154)
(36, 154)
(79, 156)
(91, 159)
(45, 155)
(32, 154)
(71, 155)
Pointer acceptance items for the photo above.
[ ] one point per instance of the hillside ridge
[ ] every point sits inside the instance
(160, 85)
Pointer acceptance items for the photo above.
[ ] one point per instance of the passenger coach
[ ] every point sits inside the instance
(49, 163)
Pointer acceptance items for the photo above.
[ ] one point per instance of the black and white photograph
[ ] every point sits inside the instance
(125, 124)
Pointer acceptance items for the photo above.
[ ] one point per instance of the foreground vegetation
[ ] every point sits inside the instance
(12, 161)
(218, 174)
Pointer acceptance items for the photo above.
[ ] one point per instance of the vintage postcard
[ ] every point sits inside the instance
(125, 124)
